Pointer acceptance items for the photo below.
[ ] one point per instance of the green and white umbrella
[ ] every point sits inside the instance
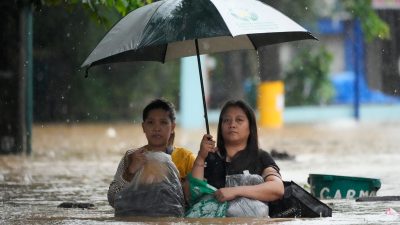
(172, 29)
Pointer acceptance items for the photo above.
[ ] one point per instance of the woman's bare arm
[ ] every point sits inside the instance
(272, 189)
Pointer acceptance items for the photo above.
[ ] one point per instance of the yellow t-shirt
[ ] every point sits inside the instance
(183, 160)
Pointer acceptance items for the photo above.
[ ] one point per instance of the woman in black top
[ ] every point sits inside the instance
(236, 151)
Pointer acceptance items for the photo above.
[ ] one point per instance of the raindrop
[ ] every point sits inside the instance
(68, 35)
(88, 113)
(111, 132)
(109, 68)
(67, 121)
(306, 8)
(131, 105)
(62, 97)
(42, 126)
(69, 87)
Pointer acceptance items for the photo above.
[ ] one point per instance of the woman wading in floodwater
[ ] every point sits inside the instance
(148, 179)
(237, 151)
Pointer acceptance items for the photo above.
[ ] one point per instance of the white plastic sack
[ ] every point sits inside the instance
(155, 190)
(245, 207)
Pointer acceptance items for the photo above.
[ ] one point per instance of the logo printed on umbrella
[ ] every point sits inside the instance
(243, 15)
(250, 20)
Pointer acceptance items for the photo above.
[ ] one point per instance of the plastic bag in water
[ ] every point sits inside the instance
(155, 190)
(202, 202)
(245, 207)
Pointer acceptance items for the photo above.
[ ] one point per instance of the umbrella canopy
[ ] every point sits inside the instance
(171, 29)
(167, 29)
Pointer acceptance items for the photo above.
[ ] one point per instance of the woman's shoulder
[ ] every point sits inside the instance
(266, 160)
(265, 157)
(133, 150)
(263, 153)
(182, 150)
(183, 154)
(183, 159)
(129, 151)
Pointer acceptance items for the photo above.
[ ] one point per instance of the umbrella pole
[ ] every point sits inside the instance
(202, 86)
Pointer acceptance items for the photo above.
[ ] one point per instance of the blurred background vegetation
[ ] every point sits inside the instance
(65, 32)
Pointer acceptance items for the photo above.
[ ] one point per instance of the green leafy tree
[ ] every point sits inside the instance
(98, 9)
(372, 25)
(112, 92)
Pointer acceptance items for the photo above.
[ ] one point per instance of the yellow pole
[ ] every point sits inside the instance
(271, 102)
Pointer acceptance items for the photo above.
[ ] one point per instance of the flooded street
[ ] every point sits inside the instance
(77, 162)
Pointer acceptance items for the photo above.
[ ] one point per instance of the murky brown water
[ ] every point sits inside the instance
(77, 163)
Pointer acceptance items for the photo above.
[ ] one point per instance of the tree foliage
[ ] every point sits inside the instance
(97, 9)
(120, 91)
(117, 91)
(372, 25)
(307, 11)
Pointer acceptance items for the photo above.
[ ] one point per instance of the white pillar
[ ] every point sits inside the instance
(191, 103)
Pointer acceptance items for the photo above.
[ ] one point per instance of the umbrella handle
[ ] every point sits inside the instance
(202, 86)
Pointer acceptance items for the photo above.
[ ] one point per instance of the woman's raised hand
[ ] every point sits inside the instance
(135, 160)
(207, 145)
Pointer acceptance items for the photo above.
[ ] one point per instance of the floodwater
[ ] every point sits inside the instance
(75, 163)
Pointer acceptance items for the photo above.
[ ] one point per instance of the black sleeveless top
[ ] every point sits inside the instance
(217, 167)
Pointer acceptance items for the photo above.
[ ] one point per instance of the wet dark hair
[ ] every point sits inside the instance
(160, 104)
(243, 159)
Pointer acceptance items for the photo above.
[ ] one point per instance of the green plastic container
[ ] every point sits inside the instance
(325, 186)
